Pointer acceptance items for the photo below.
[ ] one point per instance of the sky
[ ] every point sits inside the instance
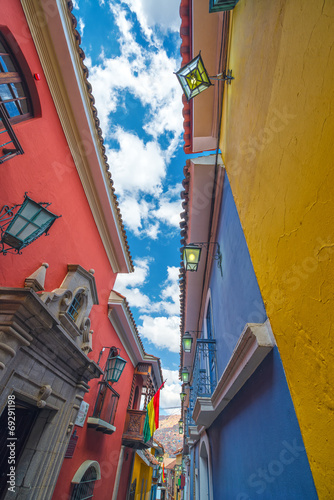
(132, 49)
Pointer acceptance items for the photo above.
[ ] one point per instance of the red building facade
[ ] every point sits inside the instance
(58, 309)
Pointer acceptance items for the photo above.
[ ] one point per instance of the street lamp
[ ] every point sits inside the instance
(187, 342)
(194, 78)
(29, 223)
(185, 375)
(192, 254)
(114, 365)
(183, 395)
(181, 426)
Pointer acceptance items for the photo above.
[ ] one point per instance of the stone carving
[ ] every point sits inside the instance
(72, 302)
(134, 424)
(43, 395)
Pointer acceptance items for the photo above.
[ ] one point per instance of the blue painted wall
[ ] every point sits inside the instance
(236, 298)
(256, 446)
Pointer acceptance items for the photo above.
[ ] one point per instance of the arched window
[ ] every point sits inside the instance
(14, 95)
(76, 305)
(84, 480)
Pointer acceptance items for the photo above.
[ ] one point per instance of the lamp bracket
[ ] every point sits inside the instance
(6, 215)
(226, 76)
(113, 350)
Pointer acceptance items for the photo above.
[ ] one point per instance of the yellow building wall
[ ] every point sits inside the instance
(278, 148)
(142, 471)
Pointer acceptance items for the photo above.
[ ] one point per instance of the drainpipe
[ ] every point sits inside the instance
(118, 473)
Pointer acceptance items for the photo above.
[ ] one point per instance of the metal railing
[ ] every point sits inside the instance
(106, 403)
(205, 368)
(9, 144)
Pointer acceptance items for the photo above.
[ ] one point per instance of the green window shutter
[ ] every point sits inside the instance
(218, 5)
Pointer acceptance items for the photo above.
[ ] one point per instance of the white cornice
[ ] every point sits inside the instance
(255, 343)
(123, 323)
(51, 30)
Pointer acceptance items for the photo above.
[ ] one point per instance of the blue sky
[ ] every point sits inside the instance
(132, 49)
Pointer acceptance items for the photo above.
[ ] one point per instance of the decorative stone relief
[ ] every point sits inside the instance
(44, 393)
(72, 302)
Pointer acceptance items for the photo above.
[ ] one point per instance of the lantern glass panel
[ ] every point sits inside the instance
(185, 375)
(193, 77)
(114, 368)
(187, 342)
(191, 256)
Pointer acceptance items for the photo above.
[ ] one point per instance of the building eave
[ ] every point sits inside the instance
(58, 45)
(121, 318)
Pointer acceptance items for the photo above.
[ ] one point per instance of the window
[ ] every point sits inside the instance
(14, 96)
(208, 320)
(84, 480)
(218, 5)
(76, 305)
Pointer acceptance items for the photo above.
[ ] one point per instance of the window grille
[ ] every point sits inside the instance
(76, 306)
(85, 489)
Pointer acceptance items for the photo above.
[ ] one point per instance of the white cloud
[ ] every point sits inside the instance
(162, 331)
(170, 293)
(129, 284)
(81, 26)
(170, 395)
(170, 207)
(136, 166)
(147, 74)
(151, 13)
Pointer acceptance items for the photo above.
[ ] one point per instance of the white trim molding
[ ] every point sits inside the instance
(255, 343)
(50, 25)
(82, 469)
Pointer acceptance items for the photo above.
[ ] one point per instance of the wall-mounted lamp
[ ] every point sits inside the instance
(187, 342)
(160, 459)
(192, 254)
(181, 426)
(31, 220)
(114, 365)
(194, 78)
(183, 395)
(185, 375)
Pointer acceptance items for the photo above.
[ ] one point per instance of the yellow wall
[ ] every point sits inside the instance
(142, 471)
(277, 144)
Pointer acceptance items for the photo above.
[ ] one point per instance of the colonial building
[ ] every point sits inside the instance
(274, 132)
(241, 430)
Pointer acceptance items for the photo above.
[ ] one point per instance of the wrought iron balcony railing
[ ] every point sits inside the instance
(105, 409)
(9, 144)
(205, 368)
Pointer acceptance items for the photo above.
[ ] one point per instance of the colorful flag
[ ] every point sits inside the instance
(163, 473)
(152, 416)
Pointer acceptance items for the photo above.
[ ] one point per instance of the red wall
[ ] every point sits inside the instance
(47, 173)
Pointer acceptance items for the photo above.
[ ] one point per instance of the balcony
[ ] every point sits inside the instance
(133, 435)
(9, 144)
(205, 369)
(105, 408)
